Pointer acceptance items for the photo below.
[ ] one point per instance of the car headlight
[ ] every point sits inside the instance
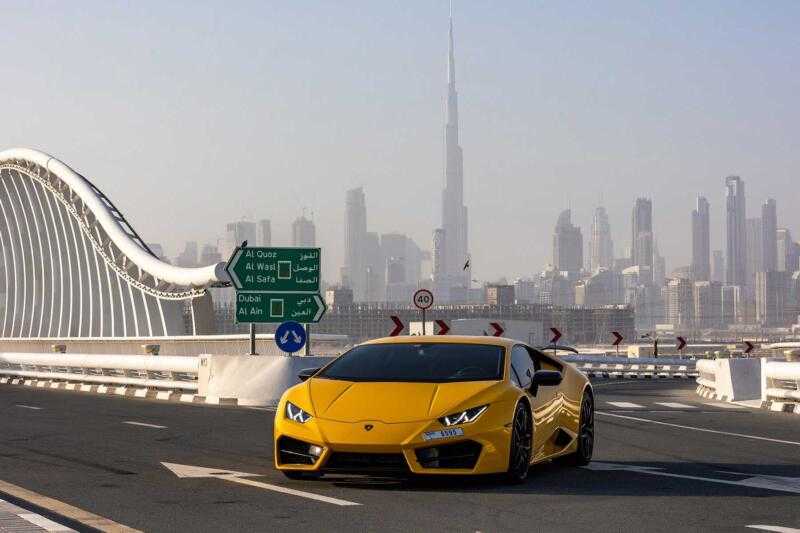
(464, 417)
(295, 413)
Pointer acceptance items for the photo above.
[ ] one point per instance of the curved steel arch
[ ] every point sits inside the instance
(109, 284)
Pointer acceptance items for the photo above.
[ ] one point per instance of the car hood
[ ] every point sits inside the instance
(389, 402)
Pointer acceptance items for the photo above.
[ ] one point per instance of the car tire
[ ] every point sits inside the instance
(297, 474)
(520, 449)
(583, 454)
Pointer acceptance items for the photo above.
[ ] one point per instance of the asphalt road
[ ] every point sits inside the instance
(665, 460)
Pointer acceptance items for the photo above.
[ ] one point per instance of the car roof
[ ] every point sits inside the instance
(446, 339)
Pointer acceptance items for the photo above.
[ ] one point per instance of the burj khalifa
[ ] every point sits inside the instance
(451, 268)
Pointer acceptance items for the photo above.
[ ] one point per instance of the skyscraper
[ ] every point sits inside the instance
(754, 253)
(642, 234)
(454, 212)
(769, 231)
(601, 249)
(701, 241)
(354, 274)
(264, 232)
(304, 234)
(718, 266)
(736, 257)
(567, 245)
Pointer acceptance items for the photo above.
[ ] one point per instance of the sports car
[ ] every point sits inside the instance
(435, 405)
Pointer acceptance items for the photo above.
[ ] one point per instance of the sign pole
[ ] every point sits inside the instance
(253, 339)
(423, 321)
(308, 339)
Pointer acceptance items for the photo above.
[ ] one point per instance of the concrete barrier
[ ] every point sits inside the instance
(780, 386)
(251, 380)
(730, 380)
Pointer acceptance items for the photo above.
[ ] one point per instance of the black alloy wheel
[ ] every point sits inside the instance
(519, 457)
(583, 455)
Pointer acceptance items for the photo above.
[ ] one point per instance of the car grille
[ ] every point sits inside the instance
(459, 455)
(391, 463)
(294, 452)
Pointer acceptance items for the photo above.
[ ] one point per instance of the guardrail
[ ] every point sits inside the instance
(781, 385)
(156, 372)
(640, 367)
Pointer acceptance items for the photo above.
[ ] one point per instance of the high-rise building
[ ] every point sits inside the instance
(788, 253)
(772, 290)
(659, 270)
(755, 251)
(235, 234)
(601, 248)
(304, 234)
(500, 294)
(732, 304)
(718, 266)
(455, 241)
(209, 255)
(375, 265)
(679, 302)
(354, 274)
(707, 304)
(188, 258)
(567, 245)
(769, 231)
(736, 240)
(701, 241)
(158, 250)
(642, 235)
(264, 231)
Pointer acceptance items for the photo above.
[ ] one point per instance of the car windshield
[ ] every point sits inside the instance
(424, 362)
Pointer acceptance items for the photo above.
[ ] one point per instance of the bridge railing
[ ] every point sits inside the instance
(156, 372)
(622, 367)
(782, 382)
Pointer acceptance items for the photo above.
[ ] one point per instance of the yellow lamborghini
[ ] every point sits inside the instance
(435, 405)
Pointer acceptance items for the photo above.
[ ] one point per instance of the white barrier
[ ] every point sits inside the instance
(623, 367)
(730, 379)
(780, 384)
(161, 372)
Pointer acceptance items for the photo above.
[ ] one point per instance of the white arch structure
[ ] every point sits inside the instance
(72, 266)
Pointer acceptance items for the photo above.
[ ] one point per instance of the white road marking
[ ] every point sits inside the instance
(626, 405)
(30, 407)
(144, 425)
(183, 471)
(253, 407)
(44, 523)
(653, 471)
(724, 405)
(705, 430)
(676, 405)
(777, 529)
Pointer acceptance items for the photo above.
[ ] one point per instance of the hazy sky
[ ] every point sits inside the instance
(192, 114)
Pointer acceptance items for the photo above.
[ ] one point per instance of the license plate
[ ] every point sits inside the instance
(443, 434)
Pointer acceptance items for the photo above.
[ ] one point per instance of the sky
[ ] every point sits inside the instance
(192, 114)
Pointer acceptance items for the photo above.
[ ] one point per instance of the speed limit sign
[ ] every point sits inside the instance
(423, 299)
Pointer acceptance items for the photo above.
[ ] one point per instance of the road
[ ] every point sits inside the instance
(666, 460)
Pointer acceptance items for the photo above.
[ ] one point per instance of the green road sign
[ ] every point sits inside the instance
(278, 307)
(275, 269)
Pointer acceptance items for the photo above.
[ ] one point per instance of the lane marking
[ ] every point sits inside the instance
(190, 471)
(705, 430)
(270, 409)
(154, 426)
(777, 529)
(676, 405)
(63, 510)
(44, 523)
(775, 483)
(626, 405)
(33, 407)
(725, 405)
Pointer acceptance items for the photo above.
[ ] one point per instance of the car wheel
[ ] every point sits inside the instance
(296, 474)
(583, 455)
(519, 455)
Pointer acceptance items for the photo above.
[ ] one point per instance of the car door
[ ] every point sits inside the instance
(543, 399)
(547, 407)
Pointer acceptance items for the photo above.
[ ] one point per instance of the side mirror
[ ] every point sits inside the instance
(546, 378)
(306, 373)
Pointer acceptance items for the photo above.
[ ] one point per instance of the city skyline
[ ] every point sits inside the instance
(578, 118)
